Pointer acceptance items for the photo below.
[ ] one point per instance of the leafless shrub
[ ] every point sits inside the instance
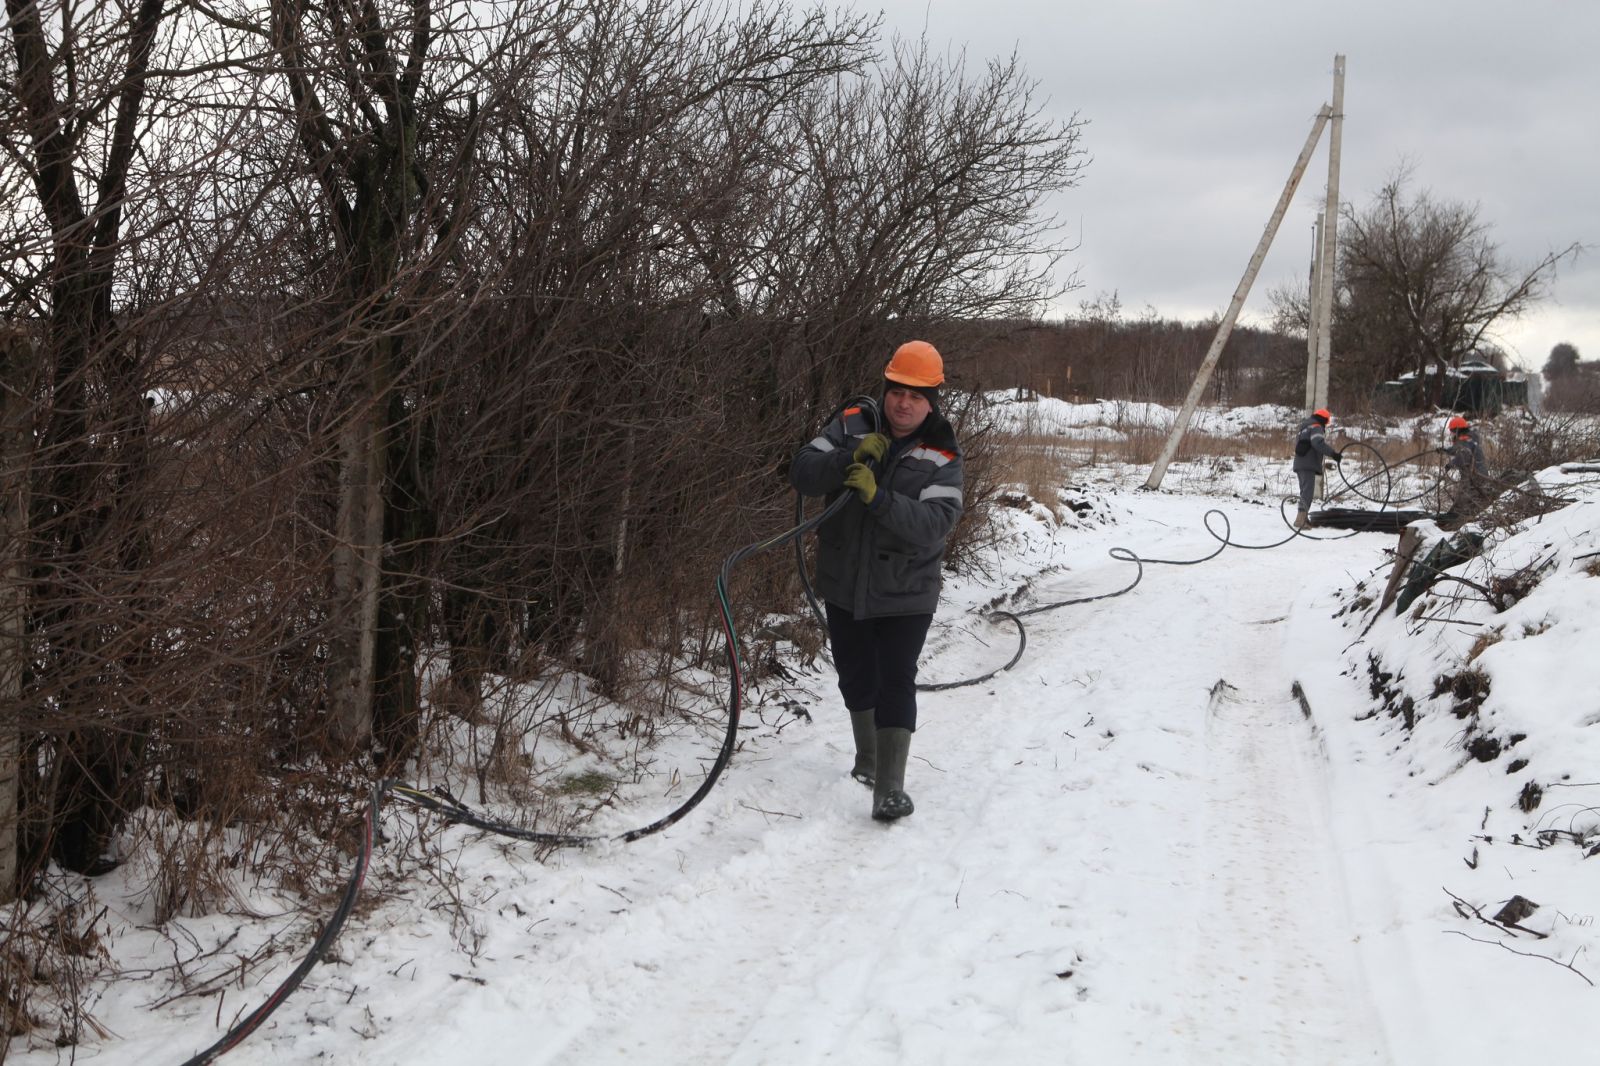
(437, 377)
(1525, 446)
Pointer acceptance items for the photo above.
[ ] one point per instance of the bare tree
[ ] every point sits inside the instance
(1421, 284)
(17, 365)
(341, 332)
(922, 205)
(81, 77)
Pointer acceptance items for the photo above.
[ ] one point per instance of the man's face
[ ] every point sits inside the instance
(905, 409)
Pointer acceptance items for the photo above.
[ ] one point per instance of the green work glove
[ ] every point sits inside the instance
(873, 447)
(858, 476)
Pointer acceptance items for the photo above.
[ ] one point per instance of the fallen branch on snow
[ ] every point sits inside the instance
(1529, 954)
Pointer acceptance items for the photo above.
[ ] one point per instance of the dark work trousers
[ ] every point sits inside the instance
(1308, 488)
(877, 663)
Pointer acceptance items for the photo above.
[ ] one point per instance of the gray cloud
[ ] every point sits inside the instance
(1196, 113)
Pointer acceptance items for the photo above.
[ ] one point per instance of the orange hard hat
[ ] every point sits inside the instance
(916, 363)
(1322, 413)
(1458, 423)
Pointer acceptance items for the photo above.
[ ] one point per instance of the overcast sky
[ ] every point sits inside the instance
(1196, 113)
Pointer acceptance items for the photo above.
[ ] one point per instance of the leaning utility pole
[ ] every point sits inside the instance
(1209, 363)
(1330, 243)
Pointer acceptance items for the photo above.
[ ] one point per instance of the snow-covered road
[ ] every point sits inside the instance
(1135, 847)
(1121, 852)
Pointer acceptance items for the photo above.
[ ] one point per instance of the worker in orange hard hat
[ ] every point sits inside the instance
(1465, 450)
(879, 557)
(1470, 465)
(1310, 448)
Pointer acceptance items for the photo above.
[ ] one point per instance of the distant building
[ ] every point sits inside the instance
(1474, 387)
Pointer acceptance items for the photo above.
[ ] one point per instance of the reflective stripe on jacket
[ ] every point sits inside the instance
(1310, 447)
(883, 559)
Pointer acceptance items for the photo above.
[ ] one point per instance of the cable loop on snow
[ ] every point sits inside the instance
(1220, 528)
(1022, 645)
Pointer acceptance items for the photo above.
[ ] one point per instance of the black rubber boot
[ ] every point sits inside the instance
(866, 746)
(889, 799)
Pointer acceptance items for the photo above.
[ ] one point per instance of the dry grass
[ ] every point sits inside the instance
(1039, 467)
(1033, 452)
(1483, 643)
(1038, 445)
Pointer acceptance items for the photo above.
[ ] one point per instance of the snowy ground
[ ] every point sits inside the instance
(1134, 847)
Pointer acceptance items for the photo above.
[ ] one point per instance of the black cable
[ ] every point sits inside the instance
(447, 805)
(875, 417)
(1225, 539)
(1386, 471)
(319, 947)
(441, 802)
(1022, 645)
(874, 413)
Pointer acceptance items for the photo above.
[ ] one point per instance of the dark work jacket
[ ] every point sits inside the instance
(883, 559)
(1310, 447)
(1466, 455)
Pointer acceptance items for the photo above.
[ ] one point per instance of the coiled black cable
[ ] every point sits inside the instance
(1386, 471)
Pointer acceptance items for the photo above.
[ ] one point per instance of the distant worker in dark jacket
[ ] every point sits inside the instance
(1468, 461)
(1465, 450)
(1310, 448)
(879, 557)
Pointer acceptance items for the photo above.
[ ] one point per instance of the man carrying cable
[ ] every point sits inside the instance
(879, 557)
(1310, 447)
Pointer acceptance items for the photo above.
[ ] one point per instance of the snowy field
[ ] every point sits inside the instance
(1139, 845)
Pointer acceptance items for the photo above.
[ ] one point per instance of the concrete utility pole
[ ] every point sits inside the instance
(1313, 316)
(1209, 363)
(1330, 242)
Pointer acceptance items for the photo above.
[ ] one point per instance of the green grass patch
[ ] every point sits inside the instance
(588, 783)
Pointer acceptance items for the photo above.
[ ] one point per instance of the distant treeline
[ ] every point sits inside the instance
(1098, 356)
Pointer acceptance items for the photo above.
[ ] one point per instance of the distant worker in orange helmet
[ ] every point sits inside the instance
(1465, 450)
(1310, 448)
(879, 557)
(1468, 461)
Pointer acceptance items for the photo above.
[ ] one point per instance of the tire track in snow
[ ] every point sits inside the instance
(1250, 903)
